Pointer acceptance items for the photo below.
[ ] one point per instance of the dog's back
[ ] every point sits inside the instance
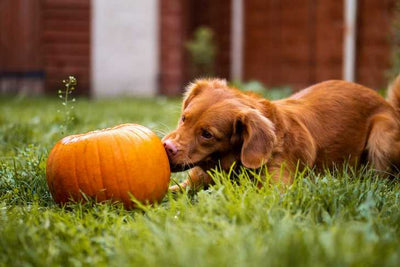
(347, 120)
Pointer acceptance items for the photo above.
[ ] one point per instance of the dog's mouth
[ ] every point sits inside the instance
(181, 167)
(207, 163)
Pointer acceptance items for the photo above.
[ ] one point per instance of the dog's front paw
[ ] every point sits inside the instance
(178, 187)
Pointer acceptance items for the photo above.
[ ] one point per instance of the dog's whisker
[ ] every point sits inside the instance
(189, 162)
(163, 132)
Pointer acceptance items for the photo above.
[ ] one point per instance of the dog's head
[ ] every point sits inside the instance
(217, 124)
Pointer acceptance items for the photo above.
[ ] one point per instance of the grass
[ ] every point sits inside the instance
(332, 219)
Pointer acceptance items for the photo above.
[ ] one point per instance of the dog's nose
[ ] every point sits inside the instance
(170, 148)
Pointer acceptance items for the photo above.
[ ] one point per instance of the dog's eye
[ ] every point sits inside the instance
(206, 134)
(183, 118)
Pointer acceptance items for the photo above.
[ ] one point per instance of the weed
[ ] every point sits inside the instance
(68, 114)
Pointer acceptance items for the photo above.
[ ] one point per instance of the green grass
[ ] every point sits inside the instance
(331, 219)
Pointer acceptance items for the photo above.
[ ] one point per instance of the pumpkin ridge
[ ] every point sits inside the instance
(127, 163)
(159, 148)
(86, 171)
(118, 178)
(162, 154)
(100, 170)
(124, 161)
(133, 138)
(75, 177)
(116, 195)
(80, 175)
(134, 132)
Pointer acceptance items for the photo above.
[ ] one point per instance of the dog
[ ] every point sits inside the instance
(322, 126)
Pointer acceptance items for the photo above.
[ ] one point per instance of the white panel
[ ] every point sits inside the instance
(350, 35)
(237, 40)
(124, 47)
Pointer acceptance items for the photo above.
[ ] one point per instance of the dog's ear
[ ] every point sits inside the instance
(194, 89)
(258, 135)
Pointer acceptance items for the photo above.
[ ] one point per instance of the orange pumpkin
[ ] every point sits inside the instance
(109, 164)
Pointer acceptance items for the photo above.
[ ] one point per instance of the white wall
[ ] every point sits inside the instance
(124, 47)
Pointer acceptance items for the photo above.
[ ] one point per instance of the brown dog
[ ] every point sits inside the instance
(321, 126)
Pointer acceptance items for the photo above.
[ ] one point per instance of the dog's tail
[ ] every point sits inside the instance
(393, 94)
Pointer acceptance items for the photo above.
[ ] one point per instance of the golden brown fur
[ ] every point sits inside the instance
(321, 126)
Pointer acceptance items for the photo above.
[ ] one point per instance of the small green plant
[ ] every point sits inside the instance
(259, 88)
(202, 51)
(68, 110)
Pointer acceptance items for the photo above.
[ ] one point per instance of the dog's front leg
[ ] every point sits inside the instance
(197, 179)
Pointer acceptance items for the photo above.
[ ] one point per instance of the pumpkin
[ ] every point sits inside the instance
(112, 163)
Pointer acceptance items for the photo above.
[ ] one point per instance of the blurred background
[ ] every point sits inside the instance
(152, 47)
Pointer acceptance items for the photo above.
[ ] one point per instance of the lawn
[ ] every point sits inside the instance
(345, 218)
